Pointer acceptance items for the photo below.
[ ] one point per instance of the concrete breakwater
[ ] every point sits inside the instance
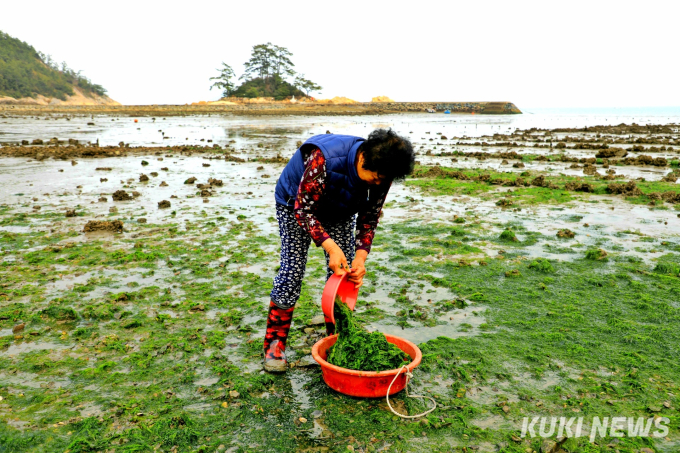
(273, 108)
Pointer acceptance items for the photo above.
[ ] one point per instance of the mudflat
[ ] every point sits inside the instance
(537, 277)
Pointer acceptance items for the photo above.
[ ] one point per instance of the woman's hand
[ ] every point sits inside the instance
(356, 274)
(336, 258)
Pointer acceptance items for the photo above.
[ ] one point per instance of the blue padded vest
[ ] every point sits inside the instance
(345, 192)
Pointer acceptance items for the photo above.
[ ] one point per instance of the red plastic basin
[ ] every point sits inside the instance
(364, 384)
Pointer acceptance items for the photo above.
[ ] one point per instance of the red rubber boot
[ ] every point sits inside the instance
(278, 325)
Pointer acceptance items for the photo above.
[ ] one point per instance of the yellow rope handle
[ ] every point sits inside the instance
(409, 375)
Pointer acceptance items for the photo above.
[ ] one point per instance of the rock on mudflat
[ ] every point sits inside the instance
(317, 321)
(121, 195)
(306, 361)
(565, 233)
(548, 446)
(103, 225)
(164, 204)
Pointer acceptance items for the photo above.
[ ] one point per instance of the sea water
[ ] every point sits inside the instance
(285, 131)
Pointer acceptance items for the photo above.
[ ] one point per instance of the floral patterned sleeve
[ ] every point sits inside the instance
(311, 188)
(367, 221)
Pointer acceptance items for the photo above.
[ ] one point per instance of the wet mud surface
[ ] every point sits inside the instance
(130, 325)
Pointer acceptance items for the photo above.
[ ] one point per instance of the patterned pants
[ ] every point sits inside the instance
(294, 247)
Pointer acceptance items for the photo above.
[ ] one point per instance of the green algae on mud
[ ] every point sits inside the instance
(357, 349)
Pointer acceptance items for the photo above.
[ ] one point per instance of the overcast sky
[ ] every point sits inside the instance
(535, 54)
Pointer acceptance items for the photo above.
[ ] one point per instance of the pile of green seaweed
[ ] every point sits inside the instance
(358, 349)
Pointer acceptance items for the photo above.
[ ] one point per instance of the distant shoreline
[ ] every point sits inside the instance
(263, 109)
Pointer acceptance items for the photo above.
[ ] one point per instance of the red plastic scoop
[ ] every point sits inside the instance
(338, 286)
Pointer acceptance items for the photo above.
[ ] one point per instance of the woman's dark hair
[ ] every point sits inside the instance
(388, 154)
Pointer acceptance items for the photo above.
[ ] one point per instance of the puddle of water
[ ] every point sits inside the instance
(493, 422)
(32, 380)
(207, 381)
(298, 381)
(18, 424)
(88, 410)
(458, 323)
(319, 430)
(245, 365)
(20, 348)
(16, 229)
(199, 407)
(452, 324)
(491, 394)
(67, 282)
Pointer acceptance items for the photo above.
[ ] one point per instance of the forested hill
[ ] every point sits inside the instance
(25, 72)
